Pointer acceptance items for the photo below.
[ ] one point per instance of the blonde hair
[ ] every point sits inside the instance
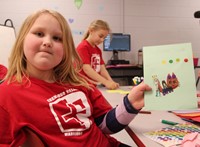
(96, 25)
(67, 71)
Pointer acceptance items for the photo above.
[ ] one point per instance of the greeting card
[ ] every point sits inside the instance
(169, 70)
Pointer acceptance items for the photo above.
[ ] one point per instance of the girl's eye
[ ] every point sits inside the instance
(101, 36)
(56, 38)
(40, 34)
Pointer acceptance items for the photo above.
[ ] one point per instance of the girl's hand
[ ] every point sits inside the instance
(111, 85)
(136, 96)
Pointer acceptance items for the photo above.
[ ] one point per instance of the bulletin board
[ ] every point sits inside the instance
(7, 39)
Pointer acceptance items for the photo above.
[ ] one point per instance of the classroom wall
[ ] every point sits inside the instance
(150, 22)
(157, 22)
(79, 15)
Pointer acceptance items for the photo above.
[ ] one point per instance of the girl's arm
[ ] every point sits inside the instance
(91, 73)
(105, 73)
(117, 118)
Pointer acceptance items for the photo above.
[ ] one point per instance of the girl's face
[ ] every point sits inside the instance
(96, 37)
(43, 45)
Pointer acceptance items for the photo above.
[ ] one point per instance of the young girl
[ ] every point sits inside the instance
(91, 55)
(44, 93)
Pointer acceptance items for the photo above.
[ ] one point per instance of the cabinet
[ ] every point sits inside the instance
(123, 74)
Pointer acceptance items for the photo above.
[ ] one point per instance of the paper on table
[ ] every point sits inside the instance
(172, 135)
(118, 91)
(191, 140)
(169, 70)
(189, 115)
(121, 90)
(187, 111)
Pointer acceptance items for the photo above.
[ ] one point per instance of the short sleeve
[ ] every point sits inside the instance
(100, 104)
(83, 51)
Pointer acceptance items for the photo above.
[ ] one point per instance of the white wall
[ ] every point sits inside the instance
(157, 22)
(150, 22)
(7, 39)
(78, 19)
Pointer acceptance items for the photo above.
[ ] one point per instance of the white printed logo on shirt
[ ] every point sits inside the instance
(95, 62)
(71, 113)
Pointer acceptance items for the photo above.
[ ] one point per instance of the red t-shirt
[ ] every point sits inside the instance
(61, 116)
(90, 55)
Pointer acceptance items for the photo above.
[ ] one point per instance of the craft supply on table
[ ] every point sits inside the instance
(172, 135)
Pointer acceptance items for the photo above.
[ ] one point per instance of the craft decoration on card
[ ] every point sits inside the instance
(173, 135)
(169, 70)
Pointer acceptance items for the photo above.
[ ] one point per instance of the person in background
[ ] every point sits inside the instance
(91, 55)
(45, 93)
(3, 71)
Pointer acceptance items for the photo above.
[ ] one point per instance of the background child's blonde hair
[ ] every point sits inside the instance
(67, 71)
(96, 25)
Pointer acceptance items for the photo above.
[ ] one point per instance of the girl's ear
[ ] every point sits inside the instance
(91, 30)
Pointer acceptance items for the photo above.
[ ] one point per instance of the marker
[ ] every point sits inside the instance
(189, 120)
(169, 122)
(145, 112)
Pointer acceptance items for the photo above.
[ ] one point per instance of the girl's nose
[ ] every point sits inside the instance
(47, 42)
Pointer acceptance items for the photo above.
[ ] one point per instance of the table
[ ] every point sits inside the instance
(150, 122)
(142, 122)
(123, 74)
(114, 99)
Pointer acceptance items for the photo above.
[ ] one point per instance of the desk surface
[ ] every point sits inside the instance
(114, 99)
(142, 122)
(150, 122)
